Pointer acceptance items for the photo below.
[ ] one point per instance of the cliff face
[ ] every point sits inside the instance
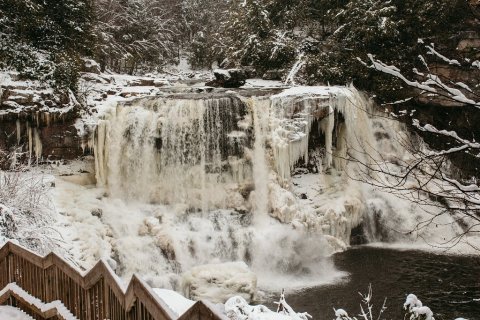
(41, 136)
(36, 122)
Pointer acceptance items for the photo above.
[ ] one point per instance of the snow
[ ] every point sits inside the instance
(412, 302)
(260, 83)
(340, 313)
(216, 282)
(175, 301)
(58, 305)
(432, 51)
(31, 96)
(11, 313)
(225, 73)
(306, 91)
(394, 71)
(432, 81)
(464, 86)
(138, 90)
(423, 311)
(290, 79)
(237, 308)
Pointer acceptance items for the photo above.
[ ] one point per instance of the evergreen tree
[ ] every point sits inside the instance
(203, 22)
(133, 33)
(43, 39)
(252, 37)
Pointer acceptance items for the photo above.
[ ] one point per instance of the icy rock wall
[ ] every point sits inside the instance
(38, 137)
(295, 109)
(324, 202)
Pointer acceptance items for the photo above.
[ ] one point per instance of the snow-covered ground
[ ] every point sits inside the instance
(11, 313)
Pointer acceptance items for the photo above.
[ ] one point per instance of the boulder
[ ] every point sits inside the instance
(275, 74)
(228, 78)
(93, 77)
(148, 82)
(218, 282)
(251, 72)
(90, 66)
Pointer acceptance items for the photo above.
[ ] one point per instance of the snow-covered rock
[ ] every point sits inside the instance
(228, 78)
(412, 302)
(218, 282)
(91, 66)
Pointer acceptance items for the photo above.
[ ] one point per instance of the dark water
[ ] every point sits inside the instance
(449, 285)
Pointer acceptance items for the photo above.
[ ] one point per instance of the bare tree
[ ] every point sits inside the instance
(425, 176)
(26, 206)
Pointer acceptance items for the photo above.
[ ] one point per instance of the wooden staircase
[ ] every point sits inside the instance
(50, 288)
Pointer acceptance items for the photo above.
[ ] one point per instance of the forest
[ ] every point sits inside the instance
(45, 39)
(202, 159)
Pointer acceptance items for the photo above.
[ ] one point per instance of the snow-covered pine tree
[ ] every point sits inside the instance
(135, 33)
(43, 40)
(203, 21)
(253, 38)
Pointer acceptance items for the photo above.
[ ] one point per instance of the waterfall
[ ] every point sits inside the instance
(192, 180)
(260, 109)
(173, 151)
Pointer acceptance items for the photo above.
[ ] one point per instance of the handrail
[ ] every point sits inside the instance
(96, 294)
(46, 311)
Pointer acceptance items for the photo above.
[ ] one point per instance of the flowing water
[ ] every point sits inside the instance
(258, 186)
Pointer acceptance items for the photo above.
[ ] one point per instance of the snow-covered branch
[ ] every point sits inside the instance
(431, 84)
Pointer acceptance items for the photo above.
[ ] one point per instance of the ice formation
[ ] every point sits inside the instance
(184, 181)
(216, 281)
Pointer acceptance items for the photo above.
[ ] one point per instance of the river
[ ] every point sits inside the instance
(449, 285)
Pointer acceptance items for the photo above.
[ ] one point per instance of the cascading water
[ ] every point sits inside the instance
(173, 151)
(192, 180)
(260, 110)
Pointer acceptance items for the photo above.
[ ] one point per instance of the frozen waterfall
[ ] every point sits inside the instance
(192, 187)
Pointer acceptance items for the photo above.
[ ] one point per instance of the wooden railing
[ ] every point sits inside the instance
(95, 295)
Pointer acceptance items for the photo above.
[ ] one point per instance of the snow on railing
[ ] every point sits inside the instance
(49, 286)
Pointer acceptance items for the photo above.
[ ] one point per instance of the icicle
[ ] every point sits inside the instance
(30, 143)
(37, 144)
(19, 132)
(327, 125)
(340, 154)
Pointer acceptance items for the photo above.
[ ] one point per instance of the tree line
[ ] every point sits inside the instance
(45, 39)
